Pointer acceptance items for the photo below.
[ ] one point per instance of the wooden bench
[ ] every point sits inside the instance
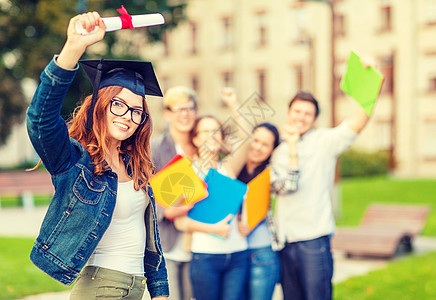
(385, 231)
(25, 184)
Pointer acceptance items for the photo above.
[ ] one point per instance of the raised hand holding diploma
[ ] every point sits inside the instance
(125, 21)
(76, 44)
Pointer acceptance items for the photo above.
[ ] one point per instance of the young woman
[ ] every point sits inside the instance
(219, 265)
(264, 262)
(180, 112)
(101, 224)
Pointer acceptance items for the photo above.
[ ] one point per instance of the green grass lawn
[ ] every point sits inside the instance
(408, 278)
(411, 277)
(18, 276)
(14, 201)
(357, 194)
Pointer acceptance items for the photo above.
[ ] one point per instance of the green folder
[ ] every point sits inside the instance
(361, 83)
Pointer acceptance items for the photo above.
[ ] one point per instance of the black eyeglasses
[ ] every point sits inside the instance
(190, 110)
(119, 108)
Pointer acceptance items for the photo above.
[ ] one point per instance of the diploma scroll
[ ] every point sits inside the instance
(116, 23)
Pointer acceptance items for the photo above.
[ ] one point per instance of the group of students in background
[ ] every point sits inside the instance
(241, 264)
(292, 244)
(101, 229)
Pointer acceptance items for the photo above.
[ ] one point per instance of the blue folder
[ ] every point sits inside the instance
(225, 197)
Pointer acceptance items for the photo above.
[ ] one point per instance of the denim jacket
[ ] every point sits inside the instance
(83, 203)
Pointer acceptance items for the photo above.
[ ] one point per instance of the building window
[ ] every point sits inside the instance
(227, 36)
(298, 24)
(193, 29)
(299, 77)
(386, 18)
(432, 84)
(261, 29)
(261, 84)
(429, 72)
(430, 142)
(387, 69)
(195, 82)
(431, 12)
(227, 79)
(338, 92)
(340, 25)
(165, 44)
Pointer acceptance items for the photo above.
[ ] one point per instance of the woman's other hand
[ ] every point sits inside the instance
(222, 228)
(243, 228)
(177, 211)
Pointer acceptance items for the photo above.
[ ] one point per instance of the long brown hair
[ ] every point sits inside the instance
(96, 140)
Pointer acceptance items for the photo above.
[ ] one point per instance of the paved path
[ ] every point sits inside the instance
(18, 222)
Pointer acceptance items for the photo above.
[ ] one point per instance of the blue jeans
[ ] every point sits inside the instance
(219, 276)
(264, 273)
(307, 270)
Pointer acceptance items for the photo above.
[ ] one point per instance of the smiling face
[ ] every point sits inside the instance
(121, 128)
(208, 136)
(261, 147)
(180, 111)
(302, 115)
(181, 116)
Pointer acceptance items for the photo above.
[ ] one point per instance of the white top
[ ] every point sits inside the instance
(178, 253)
(212, 244)
(307, 214)
(123, 244)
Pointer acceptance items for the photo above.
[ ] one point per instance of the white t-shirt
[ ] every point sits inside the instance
(212, 244)
(307, 214)
(123, 244)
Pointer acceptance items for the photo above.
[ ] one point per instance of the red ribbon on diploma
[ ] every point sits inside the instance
(126, 19)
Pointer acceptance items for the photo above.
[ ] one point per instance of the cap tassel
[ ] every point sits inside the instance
(96, 85)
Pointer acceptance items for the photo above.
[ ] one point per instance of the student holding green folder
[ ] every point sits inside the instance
(305, 218)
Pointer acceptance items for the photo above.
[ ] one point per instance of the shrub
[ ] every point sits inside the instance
(23, 166)
(358, 163)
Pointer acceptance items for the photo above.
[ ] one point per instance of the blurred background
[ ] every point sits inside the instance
(265, 49)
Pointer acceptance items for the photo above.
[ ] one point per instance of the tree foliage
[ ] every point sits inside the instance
(31, 32)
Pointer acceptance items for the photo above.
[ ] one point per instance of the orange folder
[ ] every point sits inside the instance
(257, 201)
(177, 184)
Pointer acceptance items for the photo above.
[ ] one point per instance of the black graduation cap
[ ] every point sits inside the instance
(137, 76)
